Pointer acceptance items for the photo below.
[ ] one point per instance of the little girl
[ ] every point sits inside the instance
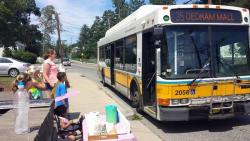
(21, 86)
(21, 104)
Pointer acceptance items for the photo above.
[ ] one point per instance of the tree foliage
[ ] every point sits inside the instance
(135, 4)
(121, 8)
(47, 24)
(15, 24)
(239, 3)
(162, 2)
(109, 19)
(89, 37)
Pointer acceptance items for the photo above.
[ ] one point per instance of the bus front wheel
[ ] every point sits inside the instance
(136, 99)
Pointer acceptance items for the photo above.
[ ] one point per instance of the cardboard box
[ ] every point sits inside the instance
(107, 136)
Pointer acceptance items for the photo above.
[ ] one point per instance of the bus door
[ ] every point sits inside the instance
(112, 64)
(149, 71)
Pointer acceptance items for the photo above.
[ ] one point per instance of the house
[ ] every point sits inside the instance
(19, 46)
(1, 51)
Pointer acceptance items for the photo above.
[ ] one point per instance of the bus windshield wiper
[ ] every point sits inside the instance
(201, 71)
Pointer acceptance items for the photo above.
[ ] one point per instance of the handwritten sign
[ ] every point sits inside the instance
(205, 16)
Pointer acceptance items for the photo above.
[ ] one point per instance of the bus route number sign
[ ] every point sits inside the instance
(205, 16)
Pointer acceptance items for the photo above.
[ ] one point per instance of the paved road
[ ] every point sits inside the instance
(236, 129)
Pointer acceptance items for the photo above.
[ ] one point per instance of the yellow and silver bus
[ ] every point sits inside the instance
(180, 62)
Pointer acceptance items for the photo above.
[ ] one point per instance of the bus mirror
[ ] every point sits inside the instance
(158, 31)
(157, 43)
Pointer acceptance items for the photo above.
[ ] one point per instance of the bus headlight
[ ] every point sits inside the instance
(184, 101)
(247, 96)
(175, 101)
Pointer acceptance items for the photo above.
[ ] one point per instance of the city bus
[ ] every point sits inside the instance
(180, 62)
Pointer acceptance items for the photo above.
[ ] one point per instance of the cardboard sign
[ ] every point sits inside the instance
(74, 93)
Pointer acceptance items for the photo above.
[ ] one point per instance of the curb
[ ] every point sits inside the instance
(78, 62)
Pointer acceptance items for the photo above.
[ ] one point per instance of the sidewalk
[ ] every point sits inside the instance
(93, 98)
(7, 121)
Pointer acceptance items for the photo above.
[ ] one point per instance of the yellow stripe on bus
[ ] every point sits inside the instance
(178, 91)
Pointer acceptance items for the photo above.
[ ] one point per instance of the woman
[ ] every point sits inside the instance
(50, 70)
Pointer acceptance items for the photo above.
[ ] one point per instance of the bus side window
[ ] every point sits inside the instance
(119, 55)
(107, 55)
(130, 53)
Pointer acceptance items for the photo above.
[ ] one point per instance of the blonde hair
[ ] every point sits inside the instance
(20, 78)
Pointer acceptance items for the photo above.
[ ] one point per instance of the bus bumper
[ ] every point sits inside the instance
(201, 112)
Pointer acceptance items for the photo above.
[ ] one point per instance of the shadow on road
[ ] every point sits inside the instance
(191, 126)
(200, 125)
(34, 128)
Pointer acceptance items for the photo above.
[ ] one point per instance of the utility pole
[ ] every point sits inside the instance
(59, 36)
(109, 22)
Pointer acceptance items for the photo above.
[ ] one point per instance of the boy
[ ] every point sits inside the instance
(61, 90)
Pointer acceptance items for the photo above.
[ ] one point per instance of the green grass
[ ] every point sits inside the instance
(6, 82)
(76, 59)
(90, 61)
(134, 117)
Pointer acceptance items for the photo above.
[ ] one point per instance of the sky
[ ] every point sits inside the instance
(75, 13)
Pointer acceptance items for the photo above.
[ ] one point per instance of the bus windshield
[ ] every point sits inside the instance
(188, 51)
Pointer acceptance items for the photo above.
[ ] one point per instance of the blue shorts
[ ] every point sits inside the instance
(48, 87)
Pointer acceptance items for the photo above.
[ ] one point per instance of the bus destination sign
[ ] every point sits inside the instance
(205, 16)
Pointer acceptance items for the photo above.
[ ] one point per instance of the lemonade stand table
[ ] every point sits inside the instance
(122, 130)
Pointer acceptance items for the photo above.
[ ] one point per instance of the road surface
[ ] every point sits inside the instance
(236, 129)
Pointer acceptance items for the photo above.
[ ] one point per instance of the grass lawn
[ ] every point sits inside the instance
(6, 82)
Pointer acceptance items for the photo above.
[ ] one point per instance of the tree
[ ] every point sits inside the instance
(109, 19)
(135, 4)
(239, 3)
(89, 37)
(121, 8)
(15, 20)
(162, 2)
(47, 24)
(33, 40)
(84, 35)
(97, 31)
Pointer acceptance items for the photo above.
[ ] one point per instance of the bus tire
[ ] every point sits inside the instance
(134, 97)
(139, 108)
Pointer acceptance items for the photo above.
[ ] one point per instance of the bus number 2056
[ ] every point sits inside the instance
(185, 92)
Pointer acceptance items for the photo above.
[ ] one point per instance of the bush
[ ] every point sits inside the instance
(25, 56)
(7, 52)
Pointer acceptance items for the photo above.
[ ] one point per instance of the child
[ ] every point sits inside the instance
(21, 103)
(61, 90)
(65, 124)
(38, 80)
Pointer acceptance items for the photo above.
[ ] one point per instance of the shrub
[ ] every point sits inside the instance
(25, 56)
(7, 52)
